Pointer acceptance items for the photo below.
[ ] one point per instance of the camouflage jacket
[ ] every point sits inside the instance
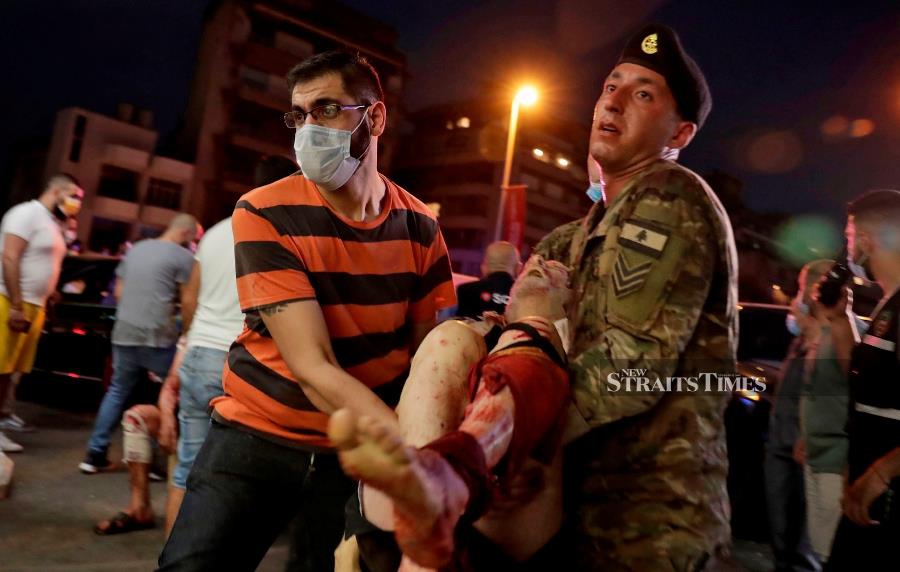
(655, 282)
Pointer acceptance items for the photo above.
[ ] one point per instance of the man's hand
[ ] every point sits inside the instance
(840, 310)
(17, 321)
(860, 496)
(800, 451)
(346, 556)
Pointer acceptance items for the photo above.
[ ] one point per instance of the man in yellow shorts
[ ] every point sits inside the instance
(33, 250)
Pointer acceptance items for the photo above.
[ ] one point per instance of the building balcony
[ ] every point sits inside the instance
(260, 146)
(115, 209)
(264, 58)
(171, 169)
(263, 97)
(125, 157)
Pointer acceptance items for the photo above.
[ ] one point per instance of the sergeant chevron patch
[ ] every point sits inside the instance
(628, 279)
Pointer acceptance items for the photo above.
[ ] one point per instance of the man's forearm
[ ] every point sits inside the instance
(331, 388)
(888, 466)
(188, 309)
(11, 279)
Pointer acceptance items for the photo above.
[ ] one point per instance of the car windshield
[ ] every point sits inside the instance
(763, 334)
(88, 279)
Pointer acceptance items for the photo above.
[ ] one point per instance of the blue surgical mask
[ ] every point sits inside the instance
(792, 326)
(595, 192)
(324, 156)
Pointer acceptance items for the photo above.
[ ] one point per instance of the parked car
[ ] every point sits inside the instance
(75, 343)
(762, 347)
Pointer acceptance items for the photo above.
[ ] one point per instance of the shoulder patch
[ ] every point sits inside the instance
(628, 278)
(644, 237)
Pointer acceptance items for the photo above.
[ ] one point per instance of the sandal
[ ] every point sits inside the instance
(122, 523)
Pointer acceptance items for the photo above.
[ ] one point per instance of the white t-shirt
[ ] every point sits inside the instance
(218, 319)
(44, 253)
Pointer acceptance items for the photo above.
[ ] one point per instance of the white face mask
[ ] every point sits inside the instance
(323, 154)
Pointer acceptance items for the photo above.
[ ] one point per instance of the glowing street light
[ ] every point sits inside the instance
(527, 96)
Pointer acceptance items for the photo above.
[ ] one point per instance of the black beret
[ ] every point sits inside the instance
(658, 48)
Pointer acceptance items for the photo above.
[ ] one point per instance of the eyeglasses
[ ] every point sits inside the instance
(329, 111)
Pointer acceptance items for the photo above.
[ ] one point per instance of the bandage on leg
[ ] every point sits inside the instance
(137, 443)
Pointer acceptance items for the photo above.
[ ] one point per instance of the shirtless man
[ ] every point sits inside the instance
(493, 459)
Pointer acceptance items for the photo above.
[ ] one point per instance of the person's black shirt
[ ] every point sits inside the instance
(491, 293)
(873, 426)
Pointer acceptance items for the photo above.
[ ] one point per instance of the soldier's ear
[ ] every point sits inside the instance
(684, 133)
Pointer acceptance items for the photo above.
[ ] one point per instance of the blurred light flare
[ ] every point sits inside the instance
(861, 128)
(835, 126)
(527, 95)
(770, 152)
(537, 152)
(808, 237)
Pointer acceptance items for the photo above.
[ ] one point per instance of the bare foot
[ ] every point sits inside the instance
(429, 497)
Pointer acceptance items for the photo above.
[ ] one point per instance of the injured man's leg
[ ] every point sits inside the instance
(140, 426)
(435, 397)
(521, 397)
(429, 496)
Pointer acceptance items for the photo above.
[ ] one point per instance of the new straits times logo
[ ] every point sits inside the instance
(639, 381)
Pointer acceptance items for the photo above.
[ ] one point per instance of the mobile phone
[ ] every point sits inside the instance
(884, 509)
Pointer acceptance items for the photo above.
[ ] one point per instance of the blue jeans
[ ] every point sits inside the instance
(242, 492)
(201, 381)
(129, 364)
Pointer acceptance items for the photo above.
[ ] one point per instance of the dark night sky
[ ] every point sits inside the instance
(773, 66)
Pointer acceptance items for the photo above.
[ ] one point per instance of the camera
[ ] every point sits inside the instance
(833, 283)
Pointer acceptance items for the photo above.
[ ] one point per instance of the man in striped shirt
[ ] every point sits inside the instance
(340, 274)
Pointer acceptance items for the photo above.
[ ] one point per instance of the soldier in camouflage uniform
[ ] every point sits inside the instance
(654, 275)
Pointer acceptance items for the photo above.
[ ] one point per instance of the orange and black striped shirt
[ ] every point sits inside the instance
(371, 279)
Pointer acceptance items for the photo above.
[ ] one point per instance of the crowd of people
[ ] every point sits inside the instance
(834, 444)
(311, 386)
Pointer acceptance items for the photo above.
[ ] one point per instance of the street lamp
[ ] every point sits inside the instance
(527, 95)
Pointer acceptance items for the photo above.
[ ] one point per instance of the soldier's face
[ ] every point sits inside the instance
(635, 118)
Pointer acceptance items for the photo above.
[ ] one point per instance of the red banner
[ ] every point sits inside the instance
(514, 215)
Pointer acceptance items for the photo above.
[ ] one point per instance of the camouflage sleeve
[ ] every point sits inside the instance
(556, 245)
(639, 308)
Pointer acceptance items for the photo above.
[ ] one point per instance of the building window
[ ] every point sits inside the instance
(108, 236)
(118, 183)
(77, 138)
(163, 193)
